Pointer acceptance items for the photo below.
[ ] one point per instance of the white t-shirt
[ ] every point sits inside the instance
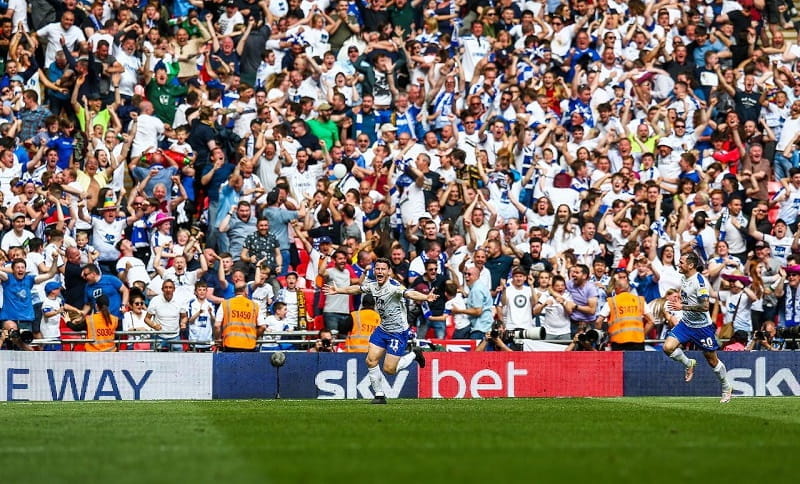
(184, 283)
(130, 74)
(742, 314)
(53, 33)
(203, 326)
(553, 317)
(459, 320)
(149, 130)
(11, 239)
(584, 250)
(106, 235)
(137, 272)
(780, 248)
(475, 49)
(20, 8)
(227, 24)
(168, 313)
(50, 325)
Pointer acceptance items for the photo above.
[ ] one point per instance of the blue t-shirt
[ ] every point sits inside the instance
(164, 176)
(647, 287)
(217, 179)
(17, 298)
(279, 219)
(65, 146)
(108, 286)
(480, 297)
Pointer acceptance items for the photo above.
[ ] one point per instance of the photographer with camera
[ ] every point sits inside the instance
(498, 339)
(11, 338)
(765, 339)
(324, 343)
(586, 340)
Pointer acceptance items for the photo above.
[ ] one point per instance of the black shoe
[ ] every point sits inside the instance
(379, 400)
(419, 357)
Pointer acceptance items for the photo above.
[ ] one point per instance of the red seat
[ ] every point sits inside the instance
(311, 307)
(304, 259)
(317, 324)
(773, 187)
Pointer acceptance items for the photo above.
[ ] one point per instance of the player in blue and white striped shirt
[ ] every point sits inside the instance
(695, 324)
(391, 337)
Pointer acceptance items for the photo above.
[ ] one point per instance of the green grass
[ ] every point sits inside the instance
(486, 441)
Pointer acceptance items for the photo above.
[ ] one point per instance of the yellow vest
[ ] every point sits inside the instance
(626, 318)
(239, 323)
(364, 323)
(639, 146)
(101, 332)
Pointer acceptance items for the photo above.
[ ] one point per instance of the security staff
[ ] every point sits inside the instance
(626, 317)
(362, 323)
(100, 327)
(237, 327)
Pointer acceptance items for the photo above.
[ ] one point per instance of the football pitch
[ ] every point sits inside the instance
(486, 441)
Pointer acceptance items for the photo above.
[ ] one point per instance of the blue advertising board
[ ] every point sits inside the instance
(304, 375)
(752, 374)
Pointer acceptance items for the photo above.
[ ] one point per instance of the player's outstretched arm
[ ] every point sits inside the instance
(332, 289)
(420, 297)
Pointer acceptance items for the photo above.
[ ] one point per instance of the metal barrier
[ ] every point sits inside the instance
(300, 338)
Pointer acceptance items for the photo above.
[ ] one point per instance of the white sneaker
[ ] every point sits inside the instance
(690, 371)
(727, 392)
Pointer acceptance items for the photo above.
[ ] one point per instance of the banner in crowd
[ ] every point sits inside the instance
(304, 375)
(756, 374)
(496, 374)
(70, 376)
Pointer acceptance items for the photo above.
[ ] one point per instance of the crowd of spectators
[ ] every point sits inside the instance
(515, 157)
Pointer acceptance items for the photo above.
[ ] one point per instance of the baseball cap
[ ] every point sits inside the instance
(325, 240)
(762, 245)
(324, 107)
(51, 286)
(386, 127)
(17, 215)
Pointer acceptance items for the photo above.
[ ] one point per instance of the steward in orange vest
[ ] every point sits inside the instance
(627, 319)
(363, 323)
(238, 328)
(100, 327)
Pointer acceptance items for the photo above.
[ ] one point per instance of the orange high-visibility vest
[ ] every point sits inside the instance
(239, 319)
(101, 332)
(626, 318)
(364, 323)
